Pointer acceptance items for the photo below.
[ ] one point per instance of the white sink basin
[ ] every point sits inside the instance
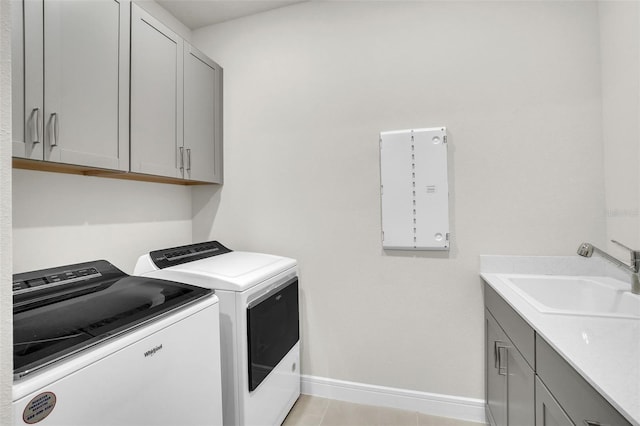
(595, 296)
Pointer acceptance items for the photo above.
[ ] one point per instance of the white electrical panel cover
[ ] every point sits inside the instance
(414, 189)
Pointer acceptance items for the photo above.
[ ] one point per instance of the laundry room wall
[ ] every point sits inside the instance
(60, 219)
(309, 87)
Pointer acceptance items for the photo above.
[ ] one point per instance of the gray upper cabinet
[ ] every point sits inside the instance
(20, 146)
(27, 67)
(156, 96)
(102, 86)
(176, 110)
(76, 69)
(202, 117)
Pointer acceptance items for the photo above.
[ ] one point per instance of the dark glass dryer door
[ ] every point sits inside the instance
(272, 330)
(54, 319)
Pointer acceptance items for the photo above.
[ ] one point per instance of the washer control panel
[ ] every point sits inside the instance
(52, 280)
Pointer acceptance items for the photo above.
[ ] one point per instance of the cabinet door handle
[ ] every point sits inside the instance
(594, 423)
(53, 129)
(181, 158)
(189, 159)
(35, 125)
(500, 348)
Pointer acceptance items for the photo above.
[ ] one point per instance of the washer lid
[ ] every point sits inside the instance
(234, 271)
(60, 311)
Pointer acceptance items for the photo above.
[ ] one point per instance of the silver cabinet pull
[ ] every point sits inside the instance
(500, 349)
(181, 158)
(35, 125)
(502, 369)
(189, 159)
(53, 129)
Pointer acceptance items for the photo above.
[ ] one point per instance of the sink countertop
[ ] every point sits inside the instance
(605, 351)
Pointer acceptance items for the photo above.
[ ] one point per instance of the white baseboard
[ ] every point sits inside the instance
(468, 409)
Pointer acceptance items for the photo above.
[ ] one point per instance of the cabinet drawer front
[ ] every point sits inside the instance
(520, 333)
(578, 398)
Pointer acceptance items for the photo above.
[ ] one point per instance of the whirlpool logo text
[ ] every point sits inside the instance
(152, 352)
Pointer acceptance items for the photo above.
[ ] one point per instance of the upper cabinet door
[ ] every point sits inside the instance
(17, 80)
(86, 56)
(26, 62)
(156, 97)
(202, 117)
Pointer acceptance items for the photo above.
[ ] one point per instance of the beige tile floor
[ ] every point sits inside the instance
(315, 411)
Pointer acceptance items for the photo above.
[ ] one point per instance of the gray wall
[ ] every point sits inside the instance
(307, 90)
(61, 219)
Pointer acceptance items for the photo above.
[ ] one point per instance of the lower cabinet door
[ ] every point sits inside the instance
(496, 380)
(548, 411)
(520, 389)
(510, 381)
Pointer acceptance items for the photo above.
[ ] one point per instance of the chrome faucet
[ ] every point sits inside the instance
(587, 250)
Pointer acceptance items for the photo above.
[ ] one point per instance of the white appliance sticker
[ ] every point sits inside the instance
(39, 408)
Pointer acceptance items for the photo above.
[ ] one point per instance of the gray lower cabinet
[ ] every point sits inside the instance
(510, 379)
(527, 382)
(495, 371)
(582, 403)
(548, 411)
(71, 91)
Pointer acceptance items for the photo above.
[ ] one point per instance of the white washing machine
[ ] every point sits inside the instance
(94, 346)
(259, 324)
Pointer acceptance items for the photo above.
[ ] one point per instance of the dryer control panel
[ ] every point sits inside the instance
(183, 254)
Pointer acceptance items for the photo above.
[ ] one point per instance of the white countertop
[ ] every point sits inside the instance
(605, 351)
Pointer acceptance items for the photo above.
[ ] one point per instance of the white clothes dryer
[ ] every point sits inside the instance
(259, 324)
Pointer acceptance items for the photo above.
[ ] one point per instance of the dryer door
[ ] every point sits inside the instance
(272, 330)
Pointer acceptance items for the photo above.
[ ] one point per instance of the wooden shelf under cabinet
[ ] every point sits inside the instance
(46, 166)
